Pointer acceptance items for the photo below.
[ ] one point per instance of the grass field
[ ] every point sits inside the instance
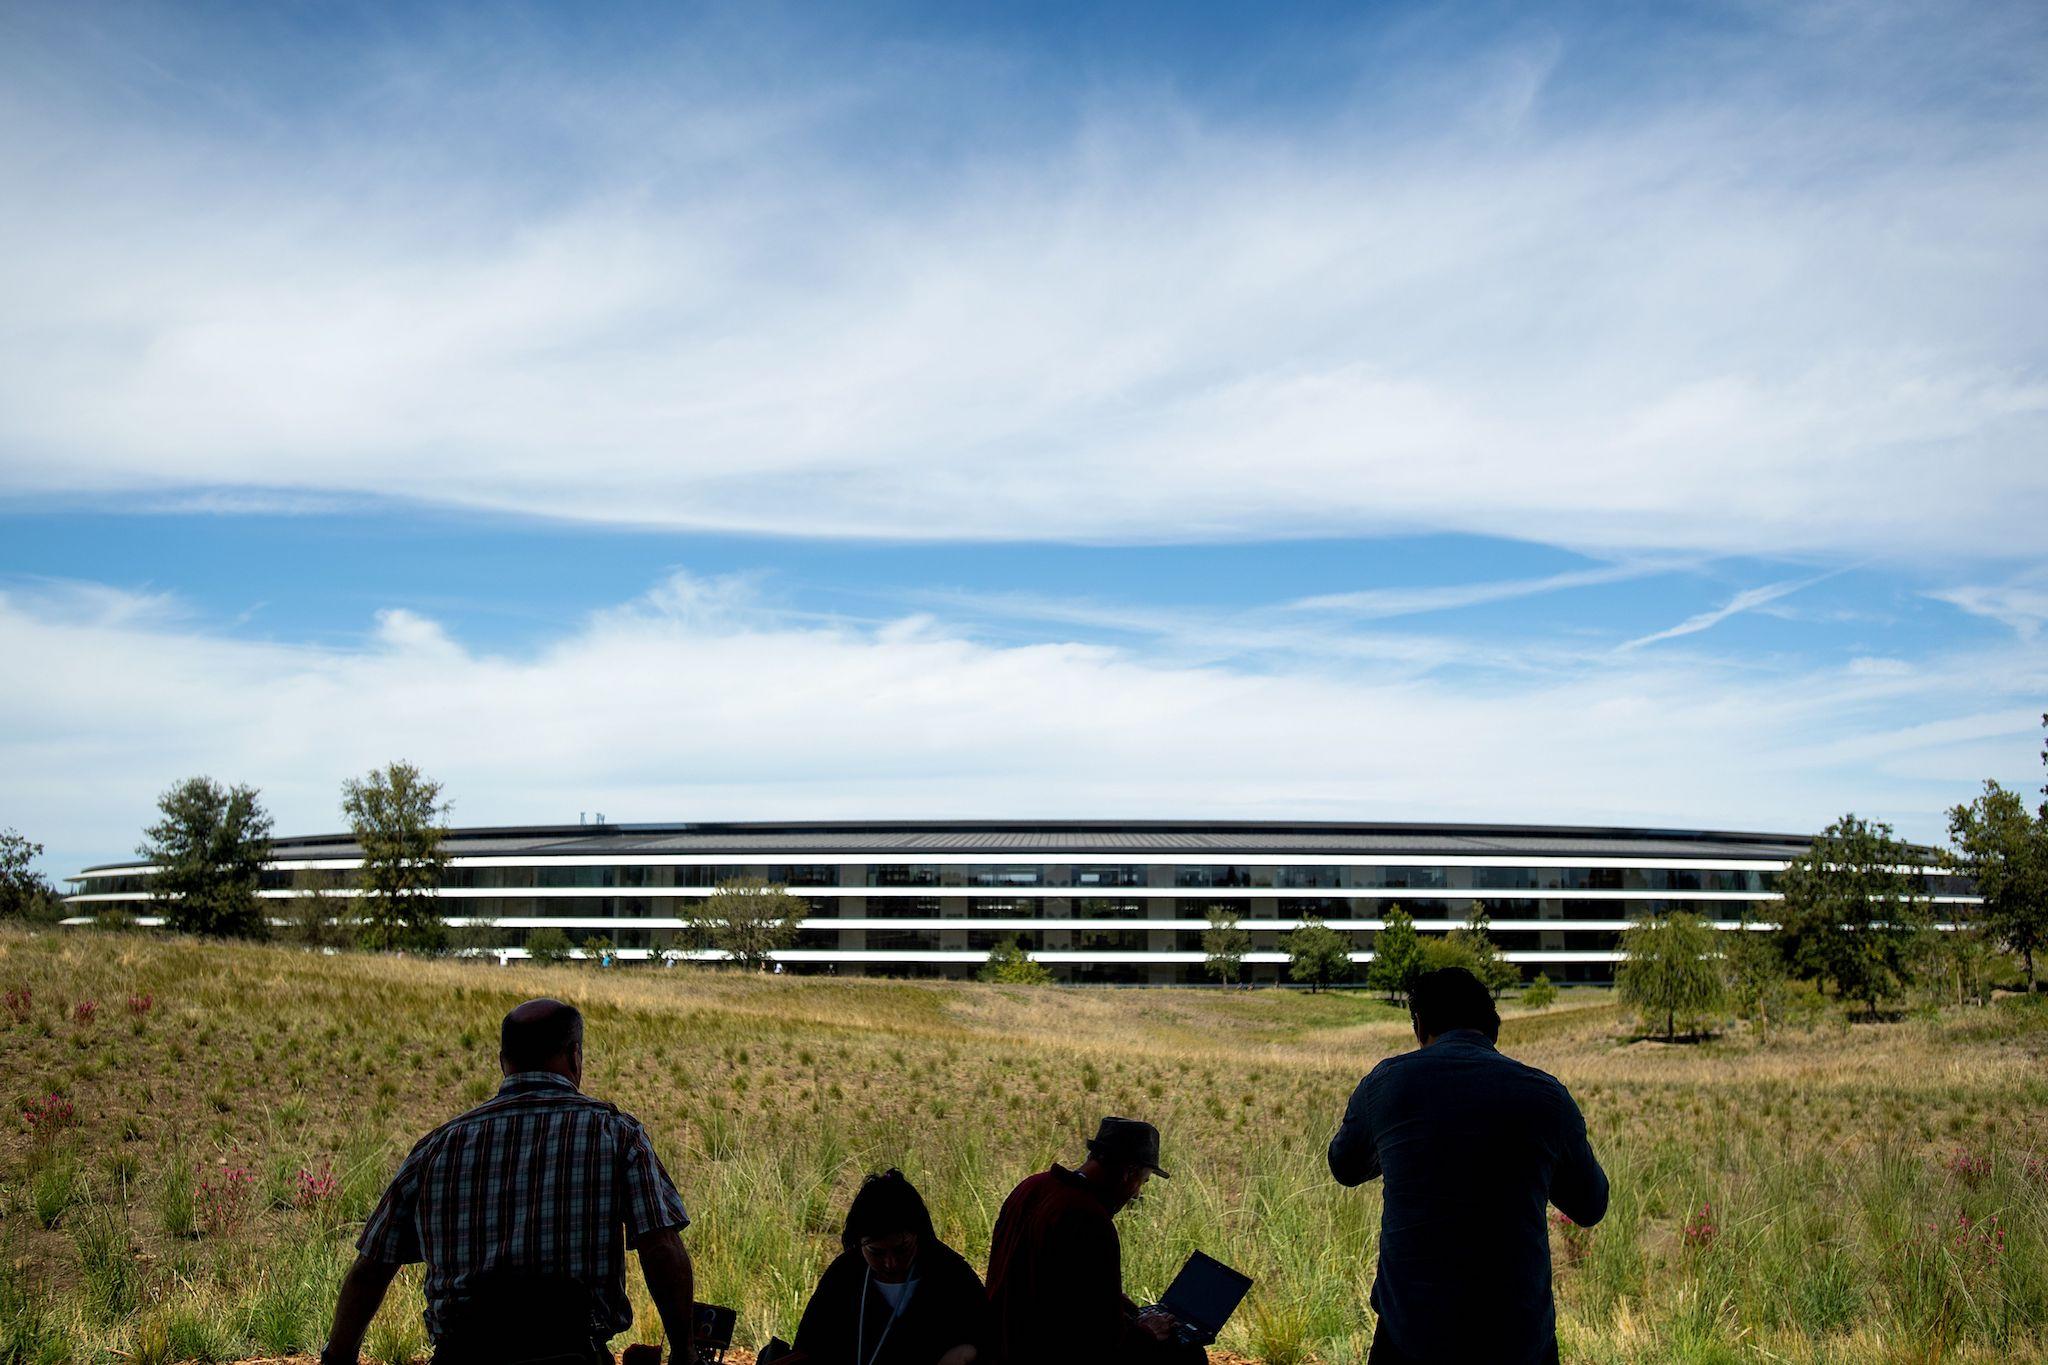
(185, 1163)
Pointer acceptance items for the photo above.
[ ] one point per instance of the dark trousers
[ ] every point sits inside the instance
(1384, 1352)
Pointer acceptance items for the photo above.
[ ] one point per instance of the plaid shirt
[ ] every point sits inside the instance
(542, 1179)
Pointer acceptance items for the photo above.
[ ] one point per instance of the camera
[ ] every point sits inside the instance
(714, 1333)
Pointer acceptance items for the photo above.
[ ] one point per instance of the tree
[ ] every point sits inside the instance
(1539, 994)
(1224, 945)
(1669, 972)
(600, 949)
(2002, 847)
(548, 944)
(318, 921)
(397, 815)
(1754, 972)
(1317, 955)
(1495, 972)
(209, 850)
(1009, 965)
(1849, 913)
(749, 921)
(476, 936)
(23, 892)
(1396, 955)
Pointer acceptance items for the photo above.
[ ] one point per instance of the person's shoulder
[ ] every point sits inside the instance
(949, 1263)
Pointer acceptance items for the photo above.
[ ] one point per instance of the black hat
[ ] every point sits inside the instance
(1131, 1142)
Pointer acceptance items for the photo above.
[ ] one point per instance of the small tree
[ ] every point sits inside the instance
(1010, 965)
(749, 921)
(1849, 913)
(18, 879)
(599, 949)
(547, 944)
(209, 850)
(1539, 994)
(1669, 973)
(1396, 955)
(314, 920)
(1495, 972)
(476, 936)
(1224, 945)
(1754, 973)
(397, 816)
(2002, 847)
(1317, 955)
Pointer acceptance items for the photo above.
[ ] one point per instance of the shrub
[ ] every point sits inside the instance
(85, 1011)
(1539, 994)
(548, 945)
(223, 1198)
(141, 1004)
(48, 1116)
(1008, 964)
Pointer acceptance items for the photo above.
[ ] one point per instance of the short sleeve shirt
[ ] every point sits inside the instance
(540, 1179)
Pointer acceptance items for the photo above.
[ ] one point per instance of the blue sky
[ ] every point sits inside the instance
(1563, 413)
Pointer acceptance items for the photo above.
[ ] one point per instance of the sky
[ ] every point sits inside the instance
(1556, 414)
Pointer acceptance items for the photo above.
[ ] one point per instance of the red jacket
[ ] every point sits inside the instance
(1056, 1279)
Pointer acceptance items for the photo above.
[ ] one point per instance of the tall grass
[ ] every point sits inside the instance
(1851, 1172)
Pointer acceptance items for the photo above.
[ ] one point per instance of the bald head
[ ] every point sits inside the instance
(542, 1035)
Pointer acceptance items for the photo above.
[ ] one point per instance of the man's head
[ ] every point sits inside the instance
(543, 1035)
(1450, 998)
(1122, 1157)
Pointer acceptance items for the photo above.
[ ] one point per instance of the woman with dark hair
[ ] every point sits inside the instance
(896, 1294)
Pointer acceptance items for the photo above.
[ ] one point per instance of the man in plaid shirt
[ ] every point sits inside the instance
(522, 1210)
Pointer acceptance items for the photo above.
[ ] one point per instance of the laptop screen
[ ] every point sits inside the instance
(1206, 1292)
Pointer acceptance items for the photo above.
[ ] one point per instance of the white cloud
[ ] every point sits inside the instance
(1749, 599)
(525, 288)
(1376, 603)
(656, 714)
(2022, 605)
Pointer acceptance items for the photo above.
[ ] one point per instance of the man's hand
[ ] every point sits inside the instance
(1157, 1323)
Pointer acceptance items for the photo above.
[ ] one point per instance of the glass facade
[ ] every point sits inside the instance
(1124, 918)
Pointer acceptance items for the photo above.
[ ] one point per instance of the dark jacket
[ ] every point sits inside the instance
(1055, 1278)
(1472, 1145)
(946, 1309)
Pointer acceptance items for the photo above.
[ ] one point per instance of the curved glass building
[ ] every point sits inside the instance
(1097, 901)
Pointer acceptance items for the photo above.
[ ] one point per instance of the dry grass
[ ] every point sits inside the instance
(1824, 1153)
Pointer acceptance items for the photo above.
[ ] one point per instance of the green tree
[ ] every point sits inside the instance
(547, 944)
(314, 920)
(1754, 973)
(1009, 965)
(1495, 972)
(1224, 945)
(2002, 847)
(599, 950)
(748, 920)
(23, 892)
(398, 819)
(1539, 994)
(1669, 972)
(1317, 955)
(1849, 912)
(476, 936)
(209, 849)
(1396, 955)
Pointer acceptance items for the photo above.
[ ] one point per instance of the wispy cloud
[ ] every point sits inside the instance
(2022, 605)
(648, 293)
(1379, 603)
(691, 700)
(1749, 599)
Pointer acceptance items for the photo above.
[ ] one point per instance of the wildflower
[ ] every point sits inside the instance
(1576, 1240)
(1700, 1231)
(45, 1116)
(1967, 1167)
(141, 1004)
(85, 1010)
(223, 1198)
(21, 1004)
(310, 1190)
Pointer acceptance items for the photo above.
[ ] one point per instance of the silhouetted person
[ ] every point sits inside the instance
(1055, 1266)
(1471, 1145)
(522, 1209)
(896, 1294)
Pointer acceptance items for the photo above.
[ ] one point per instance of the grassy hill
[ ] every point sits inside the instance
(184, 1164)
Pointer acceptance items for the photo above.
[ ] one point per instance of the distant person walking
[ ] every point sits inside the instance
(1471, 1145)
(522, 1209)
(1055, 1265)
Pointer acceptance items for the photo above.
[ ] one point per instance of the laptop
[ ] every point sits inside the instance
(1202, 1298)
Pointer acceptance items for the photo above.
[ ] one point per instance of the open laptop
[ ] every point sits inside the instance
(1202, 1298)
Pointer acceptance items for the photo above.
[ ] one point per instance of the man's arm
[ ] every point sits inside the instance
(1578, 1186)
(362, 1291)
(672, 1284)
(1353, 1157)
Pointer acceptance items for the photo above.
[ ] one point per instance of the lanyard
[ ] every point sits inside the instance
(861, 1333)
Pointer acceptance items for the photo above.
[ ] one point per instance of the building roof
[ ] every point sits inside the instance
(1094, 838)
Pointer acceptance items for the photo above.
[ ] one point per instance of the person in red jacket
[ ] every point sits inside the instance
(1055, 1266)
